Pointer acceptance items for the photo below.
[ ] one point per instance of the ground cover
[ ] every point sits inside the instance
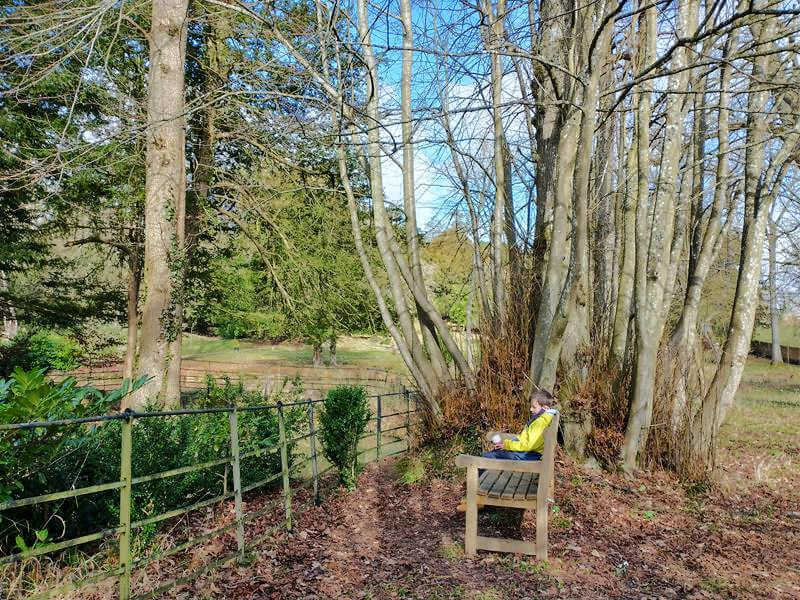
(610, 536)
(789, 333)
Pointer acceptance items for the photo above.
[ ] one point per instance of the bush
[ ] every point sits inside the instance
(80, 456)
(255, 325)
(39, 349)
(343, 419)
(39, 461)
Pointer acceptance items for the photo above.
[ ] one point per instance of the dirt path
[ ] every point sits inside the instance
(610, 538)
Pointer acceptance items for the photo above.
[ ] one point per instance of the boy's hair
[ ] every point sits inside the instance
(543, 397)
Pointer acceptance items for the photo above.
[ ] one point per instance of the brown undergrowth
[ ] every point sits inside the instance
(499, 400)
(593, 393)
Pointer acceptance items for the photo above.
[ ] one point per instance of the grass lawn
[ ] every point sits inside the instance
(760, 439)
(372, 351)
(789, 333)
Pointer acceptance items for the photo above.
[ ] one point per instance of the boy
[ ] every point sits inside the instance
(529, 444)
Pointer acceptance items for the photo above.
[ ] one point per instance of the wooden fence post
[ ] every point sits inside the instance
(287, 492)
(233, 422)
(378, 429)
(313, 442)
(125, 509)
(408, 417)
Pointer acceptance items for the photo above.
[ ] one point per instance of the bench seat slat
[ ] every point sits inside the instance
(486, 481)
(521, 492)
(511, 487)
(533, 486)
(502, 481)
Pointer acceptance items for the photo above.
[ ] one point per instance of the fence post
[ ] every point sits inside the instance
(407, 396)
(378, 429)
(233, 422)
(313, 442)
(287, 492)
(125, 508)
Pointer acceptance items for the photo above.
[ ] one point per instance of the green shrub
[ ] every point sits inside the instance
(343, 419)
(39, 349)
(81, 456)
(270, 325)
(39, 461)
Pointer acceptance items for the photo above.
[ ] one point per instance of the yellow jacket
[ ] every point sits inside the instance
(532, 437)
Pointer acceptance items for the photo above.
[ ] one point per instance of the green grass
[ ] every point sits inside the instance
(762, 429)
(788, 331)
(353, 351)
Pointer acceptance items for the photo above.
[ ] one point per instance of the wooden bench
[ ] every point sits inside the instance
(510, 483)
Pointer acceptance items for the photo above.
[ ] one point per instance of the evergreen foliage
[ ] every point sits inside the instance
(343, 419)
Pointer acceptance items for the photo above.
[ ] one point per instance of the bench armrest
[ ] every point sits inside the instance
(503, 435)
(496, 464)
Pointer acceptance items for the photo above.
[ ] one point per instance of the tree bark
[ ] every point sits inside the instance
(622, 315)
(774, 319)
(641, 405)
(409, 197)
(134, 276)
(165, 190)
(493, 41)
(683, 338)
(761, 187)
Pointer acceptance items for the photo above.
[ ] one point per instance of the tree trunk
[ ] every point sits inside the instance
(332, 341)
(774, 319)
(409, 197)
(468, 321)
(10, 323)
(316, 360)
(578, 327)
(134, 276)
(622, 315)
(647, 338)
(555, 292)
(761, 187)
(493, 42)
(165, 187)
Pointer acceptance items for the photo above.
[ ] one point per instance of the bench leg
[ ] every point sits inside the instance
(541, 528)
(471, 533)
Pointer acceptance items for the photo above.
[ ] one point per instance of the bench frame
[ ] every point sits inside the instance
(544, 468)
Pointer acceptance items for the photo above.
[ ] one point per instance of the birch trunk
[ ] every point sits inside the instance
(761, 187)
(409, 198)
(165, 190)
(774, 320)
(641, 406)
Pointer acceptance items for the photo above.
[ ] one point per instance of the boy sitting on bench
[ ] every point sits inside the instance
(529, 444)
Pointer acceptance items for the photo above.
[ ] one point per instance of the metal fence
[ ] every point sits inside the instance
(384, 438)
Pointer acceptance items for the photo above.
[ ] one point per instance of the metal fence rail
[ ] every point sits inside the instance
(128, 479)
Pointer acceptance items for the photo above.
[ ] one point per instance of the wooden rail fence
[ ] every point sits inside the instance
(254, 376)
(388, 441)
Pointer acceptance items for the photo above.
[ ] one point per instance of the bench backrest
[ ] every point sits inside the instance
(548, 456)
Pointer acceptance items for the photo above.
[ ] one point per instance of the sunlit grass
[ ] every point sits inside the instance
(353, 351)
(762, 429)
